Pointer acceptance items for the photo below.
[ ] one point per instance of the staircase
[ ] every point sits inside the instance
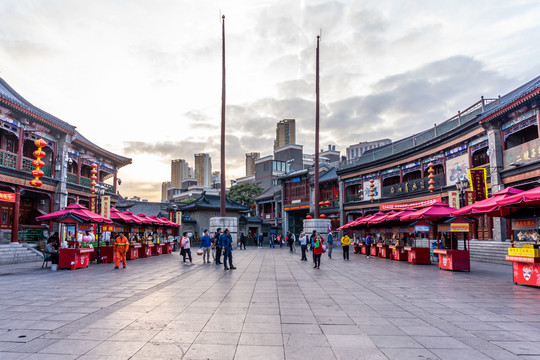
(489, 251)
(14, 253)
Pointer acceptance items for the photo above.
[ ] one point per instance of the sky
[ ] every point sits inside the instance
(143, 78)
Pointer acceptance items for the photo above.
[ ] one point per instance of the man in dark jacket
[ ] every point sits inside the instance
(260, 240)
(217, 244)
(227, 244)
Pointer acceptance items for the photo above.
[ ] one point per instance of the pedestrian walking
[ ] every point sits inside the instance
(206, 244)
(187, 248)
(290, 240)
(303, 245)
(242, 241)
(312, 243)
(368, 244)
(217, 245)
(330, 243)
(260, 241)
(121, 246)
(345, 243)
(317, 251)
(226, 244)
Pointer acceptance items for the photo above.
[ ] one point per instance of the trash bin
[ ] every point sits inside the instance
(54, 267)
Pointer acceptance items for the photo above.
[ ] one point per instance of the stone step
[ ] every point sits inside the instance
(18, 253)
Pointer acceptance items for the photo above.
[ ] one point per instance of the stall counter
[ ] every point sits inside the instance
(453, 259)
(373, 250)
(104, 251)
(418, 255)
(398, 253)
(168, 248)
(157, 249)
(133, 252)
(384, 251)
(145, 250)
(74, 258)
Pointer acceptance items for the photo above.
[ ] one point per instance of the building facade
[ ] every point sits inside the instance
(357, 150)
(165, 190)
(179, 172)
(285, 133)
(67, 170)
(250, 162)
(203, 169)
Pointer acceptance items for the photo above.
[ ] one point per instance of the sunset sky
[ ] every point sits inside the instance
(143, 78)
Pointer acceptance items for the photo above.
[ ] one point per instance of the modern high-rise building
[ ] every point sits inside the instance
(250, 162)
(179, 172)
(164, 190)
(203, 169)
(285, 133)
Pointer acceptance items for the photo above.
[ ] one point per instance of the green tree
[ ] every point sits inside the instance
(244, 193)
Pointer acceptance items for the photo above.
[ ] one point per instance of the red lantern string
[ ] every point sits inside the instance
(93, 177)
(372, 189)
(431, 182)
(37, 172)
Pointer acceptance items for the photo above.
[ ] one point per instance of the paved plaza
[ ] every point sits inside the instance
(274, 306)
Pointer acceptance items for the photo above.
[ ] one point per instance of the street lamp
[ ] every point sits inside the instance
(100, 191)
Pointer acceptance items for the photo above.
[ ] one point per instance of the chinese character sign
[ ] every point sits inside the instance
(453, 199)
(477, 178)
(7, 196)
(179, 217)
(93, 205)
(106, 206)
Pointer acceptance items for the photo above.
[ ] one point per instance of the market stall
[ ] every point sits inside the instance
(77, 228)
(420, 254)
(450, 256)
(525, 264)
(384, 251)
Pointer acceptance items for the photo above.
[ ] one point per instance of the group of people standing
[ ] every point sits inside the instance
(318, 246)
(220, 244)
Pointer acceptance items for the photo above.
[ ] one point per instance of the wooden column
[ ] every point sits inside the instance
(16, 211)
(115, 181)
(20, 149)
(79, 166)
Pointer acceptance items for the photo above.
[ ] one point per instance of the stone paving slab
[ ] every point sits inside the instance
(274, 306)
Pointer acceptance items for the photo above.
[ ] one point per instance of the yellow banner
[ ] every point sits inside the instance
(526, 252)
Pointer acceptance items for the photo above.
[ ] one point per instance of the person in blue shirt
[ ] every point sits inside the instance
(368, 245)
(226, 244)
(206, 243)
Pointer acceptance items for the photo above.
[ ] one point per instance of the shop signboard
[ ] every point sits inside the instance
(453, 199)
(416, 204)
(459, 227)
(469, 197)
(522, 154)
(7, 196)
(410, 187)
(179, 217)
(171, 216)
(84, 227)
(93, 205)
(421, 228)
(525, 252)
(524, 224)
(134, 229)
(106, 228)
(477, 177)
(106, 206)
(456, 169)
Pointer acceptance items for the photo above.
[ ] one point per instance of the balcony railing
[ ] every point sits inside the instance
(86, 182)
(352, 198)
(8, 159)
(108, 188)
(71, 178)
(28, 167)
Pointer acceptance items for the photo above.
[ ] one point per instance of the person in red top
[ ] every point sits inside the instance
(121, 246)
(317, 251)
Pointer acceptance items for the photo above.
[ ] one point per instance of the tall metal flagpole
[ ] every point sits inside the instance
(316, 175)
(222, 211)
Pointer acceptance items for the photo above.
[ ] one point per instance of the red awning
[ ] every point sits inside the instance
(529, 198)
(79, 211)
(490, 205)
(434, 212)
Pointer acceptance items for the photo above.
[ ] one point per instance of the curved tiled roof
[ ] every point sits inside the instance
(11, 98)
(511, 100)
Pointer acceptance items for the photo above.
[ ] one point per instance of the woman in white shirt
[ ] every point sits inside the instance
(185, 243)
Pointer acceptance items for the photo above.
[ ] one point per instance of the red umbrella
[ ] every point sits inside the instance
(529, 198)
(135, 218)
(159, 220)
(436, 211)
(490, 205)
(170, 223)
(118, 215)
(376, 218)
(397, 216)
(384, 218)
(78, 211)
(148, 219)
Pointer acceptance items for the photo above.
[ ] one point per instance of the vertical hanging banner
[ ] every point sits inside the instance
(171, 216)
(179, 217)
(469, 198)
(106, 206)
(453, 199)
(93, 205)
(477, 178)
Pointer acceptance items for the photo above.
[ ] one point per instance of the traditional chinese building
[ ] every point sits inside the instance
(67, 171)
(498, 137)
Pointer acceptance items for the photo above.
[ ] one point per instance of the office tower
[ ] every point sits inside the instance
(179, 172)
(164, 190)
(203, 169)
(285, 133)
(250, 162)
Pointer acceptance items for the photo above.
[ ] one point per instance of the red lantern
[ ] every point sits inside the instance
(431, 182)
(372, 189)
(39, 154)
(323, 216)
(93, 177)
(327, 203)
(308, 216)
(321, 203)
